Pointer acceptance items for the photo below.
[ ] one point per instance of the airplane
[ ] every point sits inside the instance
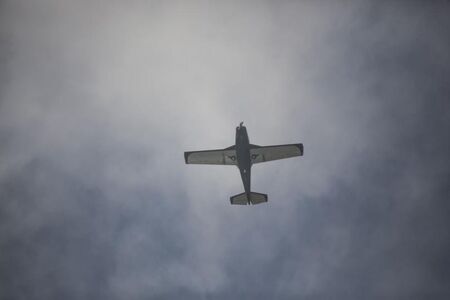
(243, 155)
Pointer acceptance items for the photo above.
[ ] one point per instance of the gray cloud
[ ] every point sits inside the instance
(99, 100)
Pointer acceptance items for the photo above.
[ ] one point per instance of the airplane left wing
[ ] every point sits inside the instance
(259, 154)
(212, 157)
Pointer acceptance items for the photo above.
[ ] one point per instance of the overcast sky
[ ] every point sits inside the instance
(99, 100)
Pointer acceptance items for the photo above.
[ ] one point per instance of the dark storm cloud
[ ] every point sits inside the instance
(98, 102)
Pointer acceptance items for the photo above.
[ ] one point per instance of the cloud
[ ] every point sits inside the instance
(99, 101)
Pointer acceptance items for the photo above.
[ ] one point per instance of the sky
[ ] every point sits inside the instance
(99, 100)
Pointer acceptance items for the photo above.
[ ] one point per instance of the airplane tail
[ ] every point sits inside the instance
(242, 199)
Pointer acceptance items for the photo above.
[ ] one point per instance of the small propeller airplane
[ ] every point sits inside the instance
(244, 155)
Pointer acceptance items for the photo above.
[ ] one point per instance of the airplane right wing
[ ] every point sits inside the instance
(259, 154)
(212, 157)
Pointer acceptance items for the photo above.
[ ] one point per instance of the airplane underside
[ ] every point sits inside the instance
(244, 155)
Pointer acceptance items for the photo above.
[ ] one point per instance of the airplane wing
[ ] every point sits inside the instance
(259, 154)
(212, 157)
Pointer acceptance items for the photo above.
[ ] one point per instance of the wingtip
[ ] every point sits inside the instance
(186, 154)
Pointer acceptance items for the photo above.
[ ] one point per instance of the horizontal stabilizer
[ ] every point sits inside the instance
(242, 199)
(257, 198)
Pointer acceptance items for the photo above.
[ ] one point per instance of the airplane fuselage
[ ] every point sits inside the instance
(243, 157)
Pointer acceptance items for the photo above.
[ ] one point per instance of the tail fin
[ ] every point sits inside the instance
(255, 198)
